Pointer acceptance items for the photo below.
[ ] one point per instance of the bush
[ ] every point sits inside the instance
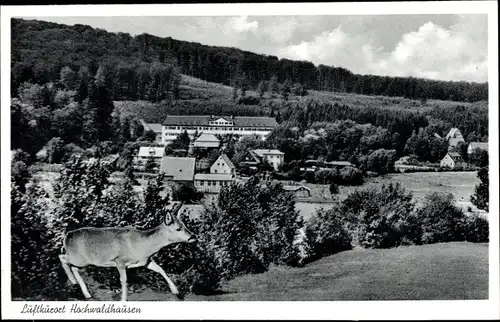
(351, 176)
(35, 267)
(475, 229)
(381, 218)
(440, 218)
(20, 174)
(326, 233)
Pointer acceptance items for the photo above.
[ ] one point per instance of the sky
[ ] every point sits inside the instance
(443, 47)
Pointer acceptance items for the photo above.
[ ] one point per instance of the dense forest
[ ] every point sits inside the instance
(41, 49)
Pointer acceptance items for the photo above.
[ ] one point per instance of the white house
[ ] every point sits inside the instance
(454, 137)
(222, 173)
(452, 160)
(217, 125)
(146, 152)
(275, 158)
(477, 145)
(223, 165)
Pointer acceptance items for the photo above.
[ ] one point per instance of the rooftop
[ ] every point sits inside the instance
(295, 188)
(213, 176)
(205, 137)
(262, 152)
(180, 169)
(478, 145)
(227, 160)
(203, 120)
(146, 151)
(156, 127)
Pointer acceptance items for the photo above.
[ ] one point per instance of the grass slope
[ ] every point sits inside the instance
(447, 271)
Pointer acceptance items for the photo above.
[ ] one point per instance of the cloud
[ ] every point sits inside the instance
(458, 52)
(242, 25)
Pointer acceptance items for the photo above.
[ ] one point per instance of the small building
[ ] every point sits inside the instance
(477, 145)
(223, 165)
(178, 169)
(206, 141)
(222, 173)
(275, 158)
(452, 160)
(454, 137)
(146, 152)
(155, 127)
(299, 191)
(212, 182)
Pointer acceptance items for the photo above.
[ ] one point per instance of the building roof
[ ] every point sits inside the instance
(478, 145)
(456, 156)
(455, 141)
(213, 176)
(156, 127)
(146, 151)
(295, 188)
(180, 169)
(262, 152)
(452, 133)
(205, 137)
(343, 163)
(203, 120)
(227, 160)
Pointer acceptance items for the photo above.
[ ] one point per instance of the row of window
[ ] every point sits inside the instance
(212, 183)
(221, 123)
(205, 128)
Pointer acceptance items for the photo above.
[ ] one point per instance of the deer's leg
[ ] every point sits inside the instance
(81, 282)
(65, 264)
(156, 268)
(123, 279)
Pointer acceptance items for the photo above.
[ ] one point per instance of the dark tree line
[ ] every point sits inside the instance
(40, 49)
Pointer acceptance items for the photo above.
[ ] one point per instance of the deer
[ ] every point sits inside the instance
(122, 247)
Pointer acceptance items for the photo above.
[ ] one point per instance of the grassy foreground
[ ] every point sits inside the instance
(447, 271)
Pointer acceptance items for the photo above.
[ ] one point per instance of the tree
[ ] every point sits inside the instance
(381, 161)
(151, 164)
(261, 89)
(334, 189)
(150, 136)
(187, 193)
(481, 195)
(20, 174)
(181, 142)
(272, 86)
(440, 219)
(68, 78)
(479, 157)
(125, 131)
(286, 90)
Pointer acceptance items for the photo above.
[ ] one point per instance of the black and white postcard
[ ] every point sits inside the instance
(250, 161)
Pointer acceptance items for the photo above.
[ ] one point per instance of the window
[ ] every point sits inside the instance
(215, 170)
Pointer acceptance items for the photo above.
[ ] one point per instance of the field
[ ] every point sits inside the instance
(460, 184)
(447, 271)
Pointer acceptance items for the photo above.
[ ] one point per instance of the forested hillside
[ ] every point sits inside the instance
(40, 49)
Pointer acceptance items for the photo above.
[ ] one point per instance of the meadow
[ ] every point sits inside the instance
(460, 184)
(428, 272)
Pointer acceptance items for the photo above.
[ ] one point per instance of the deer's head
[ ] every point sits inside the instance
(177, 231)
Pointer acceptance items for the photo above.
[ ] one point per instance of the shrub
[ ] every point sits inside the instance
(334, 189)
(20, 174)
(475, 229)
(35, 269)
(351, 176)
(326, 233)
(480, 198)
(327, 176)
(440, 219)
(381, 218)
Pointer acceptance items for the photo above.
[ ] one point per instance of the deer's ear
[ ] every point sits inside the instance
(168, 219)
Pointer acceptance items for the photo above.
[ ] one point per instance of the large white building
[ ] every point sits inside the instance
(217, 125)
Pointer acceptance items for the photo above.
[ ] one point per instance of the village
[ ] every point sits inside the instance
(206, 132)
